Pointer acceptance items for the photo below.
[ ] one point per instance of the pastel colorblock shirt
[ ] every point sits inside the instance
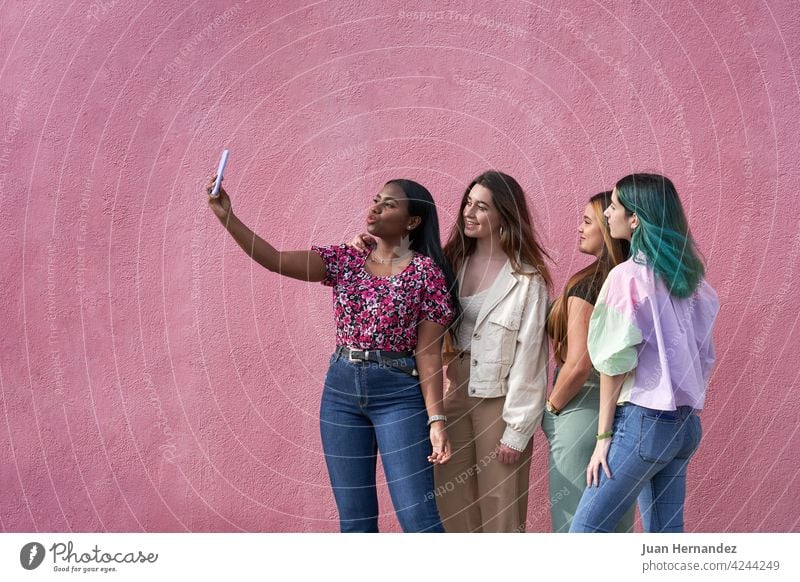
(663, 341)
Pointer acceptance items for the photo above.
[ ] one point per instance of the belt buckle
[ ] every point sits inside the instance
(364, 354)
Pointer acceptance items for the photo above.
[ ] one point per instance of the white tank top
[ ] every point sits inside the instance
(471, 306)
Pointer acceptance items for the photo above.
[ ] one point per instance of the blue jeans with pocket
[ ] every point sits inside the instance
(648, 457)
(366, 408)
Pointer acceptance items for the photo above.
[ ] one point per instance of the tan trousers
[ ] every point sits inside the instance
(475, 492)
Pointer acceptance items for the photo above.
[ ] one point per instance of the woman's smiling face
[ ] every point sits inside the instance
(591, 232)
(481, 217)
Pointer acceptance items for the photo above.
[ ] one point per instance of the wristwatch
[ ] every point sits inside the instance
(550, 408)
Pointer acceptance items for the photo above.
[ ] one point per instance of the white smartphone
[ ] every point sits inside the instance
(220, 169)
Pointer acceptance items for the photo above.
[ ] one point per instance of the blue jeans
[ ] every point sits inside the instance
(366, 408)
(649, 453)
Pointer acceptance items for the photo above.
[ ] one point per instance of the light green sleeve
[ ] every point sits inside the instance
(612, 341)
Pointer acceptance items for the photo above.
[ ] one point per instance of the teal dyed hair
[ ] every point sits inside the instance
(663, 233)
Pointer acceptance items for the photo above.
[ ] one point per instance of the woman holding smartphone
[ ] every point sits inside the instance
(572, 409)
(383, 389)
(650, 338)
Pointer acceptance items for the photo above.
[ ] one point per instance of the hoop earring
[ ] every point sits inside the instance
(502, 231)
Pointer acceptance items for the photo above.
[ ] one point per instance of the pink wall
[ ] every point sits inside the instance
(153, 378)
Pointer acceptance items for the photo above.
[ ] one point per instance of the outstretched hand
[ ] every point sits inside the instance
(221, 205)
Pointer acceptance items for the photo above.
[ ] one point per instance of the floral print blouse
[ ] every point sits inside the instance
(382, 313)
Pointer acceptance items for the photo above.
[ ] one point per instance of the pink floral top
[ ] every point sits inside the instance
(382, 313)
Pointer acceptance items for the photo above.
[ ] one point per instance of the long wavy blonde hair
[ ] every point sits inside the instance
(614, 252)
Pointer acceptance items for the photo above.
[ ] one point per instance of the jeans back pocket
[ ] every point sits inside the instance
(660, 439)
(693, 433)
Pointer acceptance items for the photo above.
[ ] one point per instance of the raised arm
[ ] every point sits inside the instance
(302, 265)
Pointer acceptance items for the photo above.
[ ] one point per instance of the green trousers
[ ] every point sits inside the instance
(572, 440)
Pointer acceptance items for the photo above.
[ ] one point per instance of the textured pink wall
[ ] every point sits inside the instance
(153, 378)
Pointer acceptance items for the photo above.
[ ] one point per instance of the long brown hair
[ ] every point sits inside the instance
(614, 252)
(517, 237)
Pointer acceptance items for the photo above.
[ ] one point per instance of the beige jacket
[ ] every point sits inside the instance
(509, 351)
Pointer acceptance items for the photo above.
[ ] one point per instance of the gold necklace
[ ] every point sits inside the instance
(387, 261)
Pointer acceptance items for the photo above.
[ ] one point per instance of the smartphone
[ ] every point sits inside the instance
(223, 161)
